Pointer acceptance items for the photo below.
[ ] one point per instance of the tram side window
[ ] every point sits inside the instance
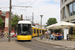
(34, 31)
(37, 31)
(40, 31)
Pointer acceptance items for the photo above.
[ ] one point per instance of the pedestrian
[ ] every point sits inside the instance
(53, 35)
(68, 37)
(46, 33)
(41, 37)
(0, 35)
(49, 34)
(56, 36)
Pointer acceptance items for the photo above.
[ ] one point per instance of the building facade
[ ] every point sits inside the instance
(5, 17)
(67, 12)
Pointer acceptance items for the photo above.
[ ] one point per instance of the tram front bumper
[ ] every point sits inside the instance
(22, 37)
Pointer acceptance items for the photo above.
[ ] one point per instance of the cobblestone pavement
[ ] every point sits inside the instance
(36, 45)
(11, 46)
(68, 44)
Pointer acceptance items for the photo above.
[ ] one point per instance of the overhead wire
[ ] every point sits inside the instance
(24, 6)
(3, 6)
(32, 2)
(17, 6)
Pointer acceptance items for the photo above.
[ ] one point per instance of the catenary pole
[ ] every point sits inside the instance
(9, 22)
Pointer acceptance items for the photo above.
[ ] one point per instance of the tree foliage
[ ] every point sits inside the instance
(1, 22)
(51, 21)
(15, 20)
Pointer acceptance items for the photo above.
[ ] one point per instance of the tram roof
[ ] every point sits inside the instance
(24, 22)
(37, 27)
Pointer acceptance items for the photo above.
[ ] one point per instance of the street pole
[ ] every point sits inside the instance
(41, 23)
(32, 17)
(9, 22)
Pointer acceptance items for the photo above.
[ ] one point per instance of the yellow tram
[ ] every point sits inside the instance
(25, 31)
(37, 31)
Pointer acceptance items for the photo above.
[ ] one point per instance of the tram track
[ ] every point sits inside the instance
(34, 45)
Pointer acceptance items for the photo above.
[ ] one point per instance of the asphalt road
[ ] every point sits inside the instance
(35, 45)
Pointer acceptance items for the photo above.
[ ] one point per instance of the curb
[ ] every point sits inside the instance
(55, 44)
(47, 43)
(6, 42)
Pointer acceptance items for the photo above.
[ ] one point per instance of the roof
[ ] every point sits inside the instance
(24, 22)
(4, 14)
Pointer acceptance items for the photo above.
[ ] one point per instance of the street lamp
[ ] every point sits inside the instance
(41, 23)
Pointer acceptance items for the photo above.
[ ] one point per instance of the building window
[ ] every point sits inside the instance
(74, 8)
(65, 0)
(70, 10)
(73, 20)
(64, 13)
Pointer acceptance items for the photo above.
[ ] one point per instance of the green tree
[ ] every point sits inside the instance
(51, 21)
(15, 20)
(1, 22)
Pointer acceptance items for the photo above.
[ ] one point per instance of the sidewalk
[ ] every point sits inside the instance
(11, 46)
(57, 42)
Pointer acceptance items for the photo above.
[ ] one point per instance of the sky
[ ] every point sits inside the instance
(47, 8)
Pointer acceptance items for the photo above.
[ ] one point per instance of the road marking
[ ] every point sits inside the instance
(67, 47)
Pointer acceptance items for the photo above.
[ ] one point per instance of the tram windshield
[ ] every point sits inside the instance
(24, 29)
